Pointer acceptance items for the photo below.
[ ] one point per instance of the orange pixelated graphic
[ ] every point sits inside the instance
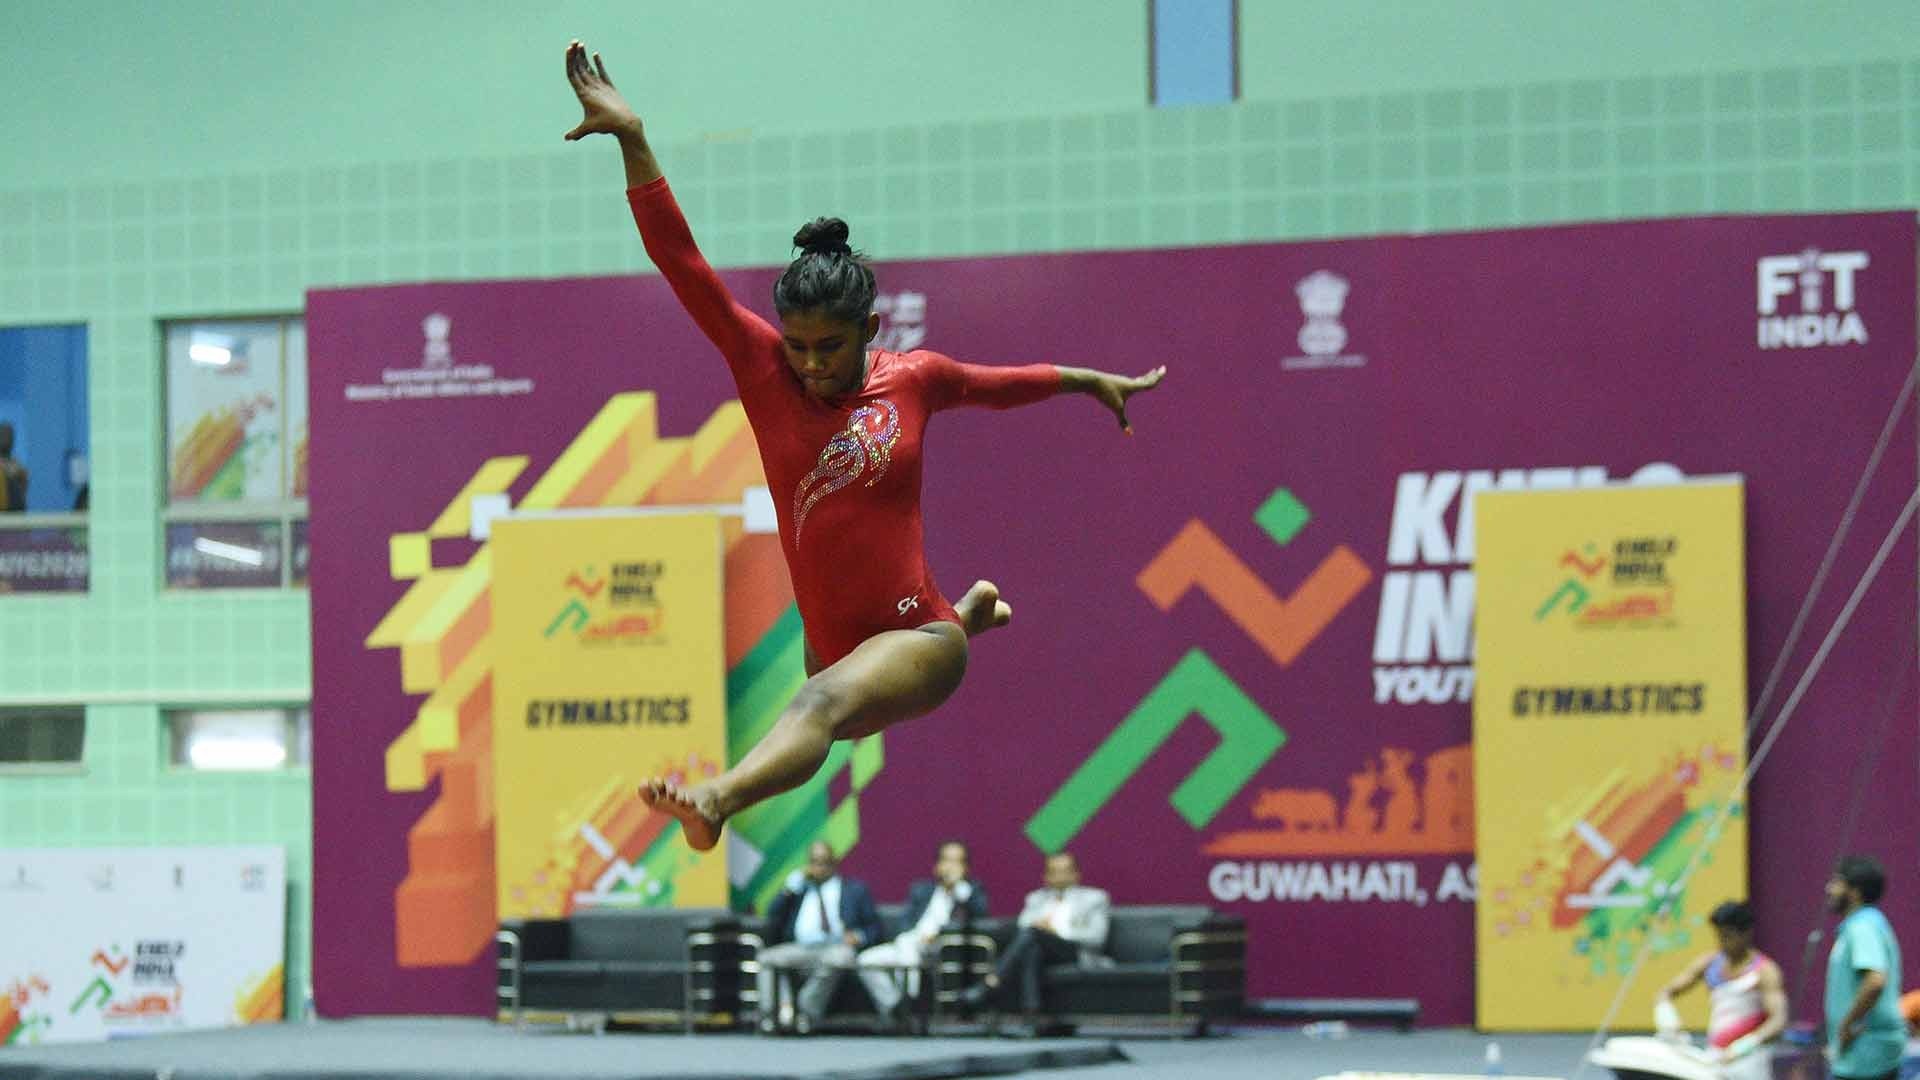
(445, 907)
(1386, 811)
(1198, 558)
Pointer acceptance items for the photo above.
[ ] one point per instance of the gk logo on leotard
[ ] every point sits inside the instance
(907, 604)
(865, 448)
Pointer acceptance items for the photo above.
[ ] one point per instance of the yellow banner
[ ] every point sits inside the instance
(609, 668)
(1608, 735)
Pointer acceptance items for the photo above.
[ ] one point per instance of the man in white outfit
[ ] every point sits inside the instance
(1064, 921)
(951, 898)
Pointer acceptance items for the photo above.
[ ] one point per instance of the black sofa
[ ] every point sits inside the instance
(626, 965)
(958, 957)
(1182, 965)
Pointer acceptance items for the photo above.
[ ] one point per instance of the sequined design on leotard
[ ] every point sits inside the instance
(865, 445)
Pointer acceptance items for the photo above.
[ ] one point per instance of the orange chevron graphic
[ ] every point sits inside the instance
(589, 589)
(1198, 558)
(1586, 570)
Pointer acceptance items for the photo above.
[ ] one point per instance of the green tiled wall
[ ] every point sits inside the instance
(297, 170)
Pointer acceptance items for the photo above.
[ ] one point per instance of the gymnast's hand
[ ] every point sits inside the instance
(1112, 390)
(606, 112)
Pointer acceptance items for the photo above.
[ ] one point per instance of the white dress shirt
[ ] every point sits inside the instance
(806, 925)
(938, 914)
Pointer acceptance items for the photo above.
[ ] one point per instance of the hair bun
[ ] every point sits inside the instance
(823, 236)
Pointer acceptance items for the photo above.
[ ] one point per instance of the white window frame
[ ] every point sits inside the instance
(296, 740)
(284, 512)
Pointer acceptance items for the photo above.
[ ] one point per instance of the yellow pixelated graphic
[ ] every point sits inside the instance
(441, 626)
(492, 478)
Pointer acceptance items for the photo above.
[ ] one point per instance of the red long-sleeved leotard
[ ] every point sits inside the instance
(845, 474)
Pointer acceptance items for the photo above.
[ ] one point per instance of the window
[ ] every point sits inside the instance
(245, 740)
(43, 459)
(39, 737)
(236, 433)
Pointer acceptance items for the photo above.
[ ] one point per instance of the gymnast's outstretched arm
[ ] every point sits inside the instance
(748, 343)
(996, 387)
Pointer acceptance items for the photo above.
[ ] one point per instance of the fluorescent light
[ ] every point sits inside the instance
(246, 556)
(236, 752)
(211, 355)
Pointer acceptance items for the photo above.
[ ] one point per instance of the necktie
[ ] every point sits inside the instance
(826, 924)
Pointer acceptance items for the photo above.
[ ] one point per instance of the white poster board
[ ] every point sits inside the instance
(99, 943)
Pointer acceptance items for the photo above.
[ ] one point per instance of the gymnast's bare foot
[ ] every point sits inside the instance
(696, 808)
(982, 609)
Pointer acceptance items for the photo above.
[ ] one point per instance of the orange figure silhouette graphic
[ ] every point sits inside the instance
(1297, 810)
(1403, 801)
(1448, 794)
(1360, 818)
(1388, 811)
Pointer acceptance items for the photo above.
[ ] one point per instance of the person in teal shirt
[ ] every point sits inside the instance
(1865, 1032)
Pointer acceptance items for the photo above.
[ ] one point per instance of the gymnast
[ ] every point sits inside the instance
(839, 427)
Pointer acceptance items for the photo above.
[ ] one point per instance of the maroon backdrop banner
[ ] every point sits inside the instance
(1240, 667)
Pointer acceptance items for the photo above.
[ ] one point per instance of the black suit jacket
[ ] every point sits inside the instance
(857, 913)
(920, 894)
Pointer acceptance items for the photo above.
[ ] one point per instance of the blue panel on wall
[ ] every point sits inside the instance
(1193, 51)
(43, 394)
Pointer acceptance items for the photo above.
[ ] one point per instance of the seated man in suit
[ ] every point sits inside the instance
(816, 925)
(1065, 921)
(951, 898)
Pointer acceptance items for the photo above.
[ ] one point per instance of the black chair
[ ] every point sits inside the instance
(621, 965)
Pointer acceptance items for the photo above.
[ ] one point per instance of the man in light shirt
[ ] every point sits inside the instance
(1063, 922)
(951, 898)
(817, 925)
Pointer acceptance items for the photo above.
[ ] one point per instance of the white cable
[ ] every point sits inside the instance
(1738, 793)
(1833, 551)
(1793, 637)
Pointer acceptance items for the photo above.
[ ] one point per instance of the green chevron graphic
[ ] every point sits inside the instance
(1195, 686)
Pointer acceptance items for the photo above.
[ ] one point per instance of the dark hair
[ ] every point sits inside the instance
(1732, 915)
(1863, 873)
(827, 276)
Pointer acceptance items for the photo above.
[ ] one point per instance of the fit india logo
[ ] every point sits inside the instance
(1322, 338)
(621, 606)
(1626, 584)
(1808, 299)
